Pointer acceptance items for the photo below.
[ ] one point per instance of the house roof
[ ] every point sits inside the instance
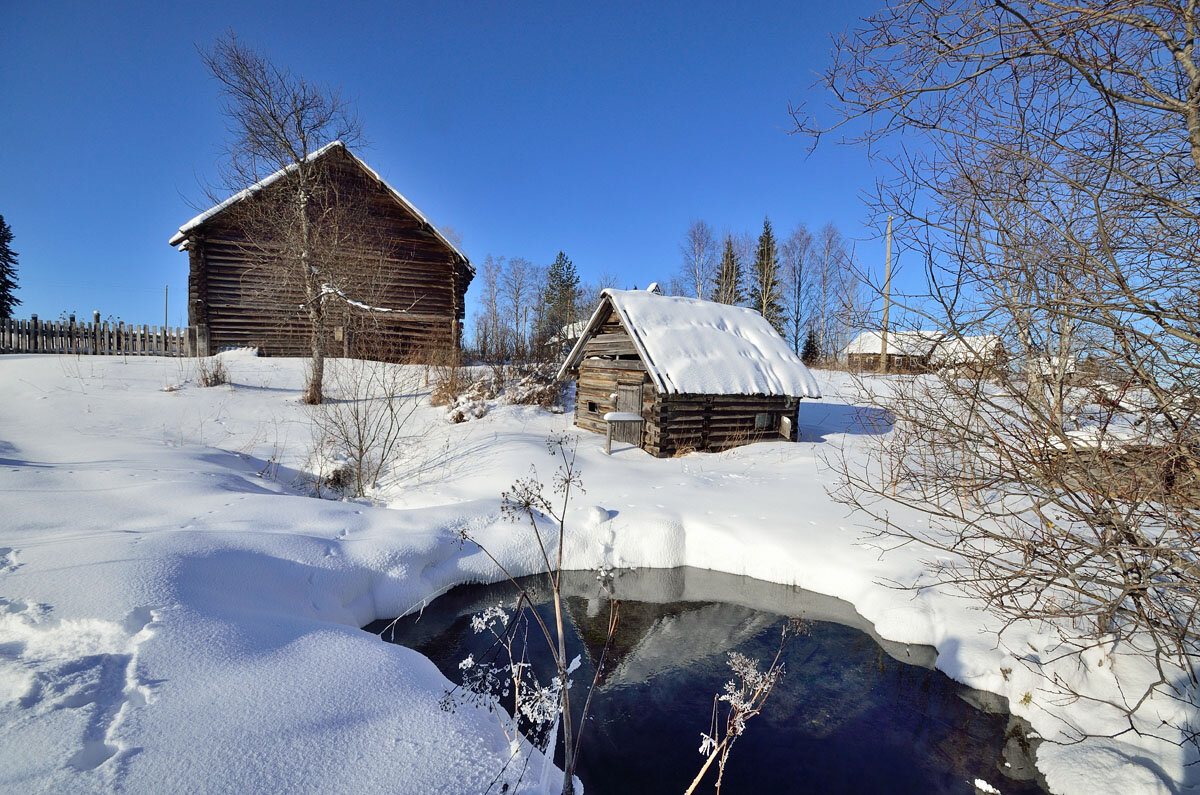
(899, 343)
(957, 350)
(690, 346)
(399, 198)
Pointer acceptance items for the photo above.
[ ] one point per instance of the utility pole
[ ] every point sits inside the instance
(166, 304)
(887, 300)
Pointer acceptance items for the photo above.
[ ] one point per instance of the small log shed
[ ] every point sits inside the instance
(415, 283)
(703, 376)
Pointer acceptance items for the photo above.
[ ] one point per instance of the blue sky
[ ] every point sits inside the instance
(601, 129)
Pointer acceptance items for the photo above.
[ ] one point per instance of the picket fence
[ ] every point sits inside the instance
(94, 339)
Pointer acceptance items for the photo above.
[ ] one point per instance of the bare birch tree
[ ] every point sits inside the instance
(489, 323)
(306, 231)
(520, 285)
(795, 254)
(699, 250)
(1048, 177)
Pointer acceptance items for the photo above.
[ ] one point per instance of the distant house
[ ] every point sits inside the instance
(922, 351)
(982, 353)
(565, 338)
(907, 351)
(700, 375)
(405, 297)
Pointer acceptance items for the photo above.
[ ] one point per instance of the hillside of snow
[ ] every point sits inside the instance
(178, 613)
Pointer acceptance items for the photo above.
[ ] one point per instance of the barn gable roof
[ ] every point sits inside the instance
(690, 346)
(396, 195)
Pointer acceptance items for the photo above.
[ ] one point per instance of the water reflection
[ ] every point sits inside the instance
(853, 712)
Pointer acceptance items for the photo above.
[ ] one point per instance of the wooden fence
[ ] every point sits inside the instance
(95, 338)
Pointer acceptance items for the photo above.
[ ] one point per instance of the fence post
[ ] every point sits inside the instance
(202, 339)
(96, 332)
(33, 334)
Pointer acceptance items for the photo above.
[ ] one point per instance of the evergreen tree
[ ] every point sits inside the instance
(727, 287)
(812, 351)
(560, 299)
(765, 293)
(8, 271)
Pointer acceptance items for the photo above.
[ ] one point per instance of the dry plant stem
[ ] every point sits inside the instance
(526, 500)
(741, 710)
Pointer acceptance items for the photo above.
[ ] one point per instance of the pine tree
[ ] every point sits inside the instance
(560, 299)
(727, 287)
(8, 271)
(812, 351)
(765, 293)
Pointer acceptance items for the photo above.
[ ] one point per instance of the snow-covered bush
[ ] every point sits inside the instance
(536, 385)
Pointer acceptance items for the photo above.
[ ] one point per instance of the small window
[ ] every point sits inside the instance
(592, 406)
(764, 421)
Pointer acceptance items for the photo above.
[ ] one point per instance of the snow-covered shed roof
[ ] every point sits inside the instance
(899, 343)
(696, 347)
(211, 212)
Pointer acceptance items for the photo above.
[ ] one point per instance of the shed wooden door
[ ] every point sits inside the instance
(629, 398)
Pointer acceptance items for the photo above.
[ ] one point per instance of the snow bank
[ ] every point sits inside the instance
(176, 614)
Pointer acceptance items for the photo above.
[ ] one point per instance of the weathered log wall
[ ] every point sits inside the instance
(244, 296)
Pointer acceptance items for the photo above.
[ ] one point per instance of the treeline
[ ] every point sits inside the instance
(527, 310)
(803, 285)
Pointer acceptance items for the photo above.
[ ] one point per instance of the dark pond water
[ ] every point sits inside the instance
(852, 713)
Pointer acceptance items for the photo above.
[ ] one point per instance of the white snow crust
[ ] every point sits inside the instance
(176, 615)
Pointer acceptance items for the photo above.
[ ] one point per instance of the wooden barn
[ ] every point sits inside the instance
(399, 285)
(682, 374)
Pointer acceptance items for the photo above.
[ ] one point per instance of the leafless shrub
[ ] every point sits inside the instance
(1051, 159)
(365, 422)
(210, 371)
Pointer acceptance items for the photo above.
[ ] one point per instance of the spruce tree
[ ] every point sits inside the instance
(8, 271)
(812, 351)
(727, 288)
(560, 300)
(765, 293)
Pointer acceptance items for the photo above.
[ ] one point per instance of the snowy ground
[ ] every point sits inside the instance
(176, 614)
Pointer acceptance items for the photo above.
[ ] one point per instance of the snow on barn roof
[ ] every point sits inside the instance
(211, 212)
(696, 347)
(899, 343)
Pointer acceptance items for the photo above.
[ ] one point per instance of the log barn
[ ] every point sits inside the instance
(700, 375)
(398, 285)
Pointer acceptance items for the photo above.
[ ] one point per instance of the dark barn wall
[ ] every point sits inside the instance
(246, 300)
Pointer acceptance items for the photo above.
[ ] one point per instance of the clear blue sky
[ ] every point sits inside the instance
(599, 129)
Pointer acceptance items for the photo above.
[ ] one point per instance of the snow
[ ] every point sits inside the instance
(179, 237)
(696, 347)
(177, 614)
(622, 416)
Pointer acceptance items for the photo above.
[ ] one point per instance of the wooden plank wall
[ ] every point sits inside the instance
(93, 339)
(245, 300)
(712, 423)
